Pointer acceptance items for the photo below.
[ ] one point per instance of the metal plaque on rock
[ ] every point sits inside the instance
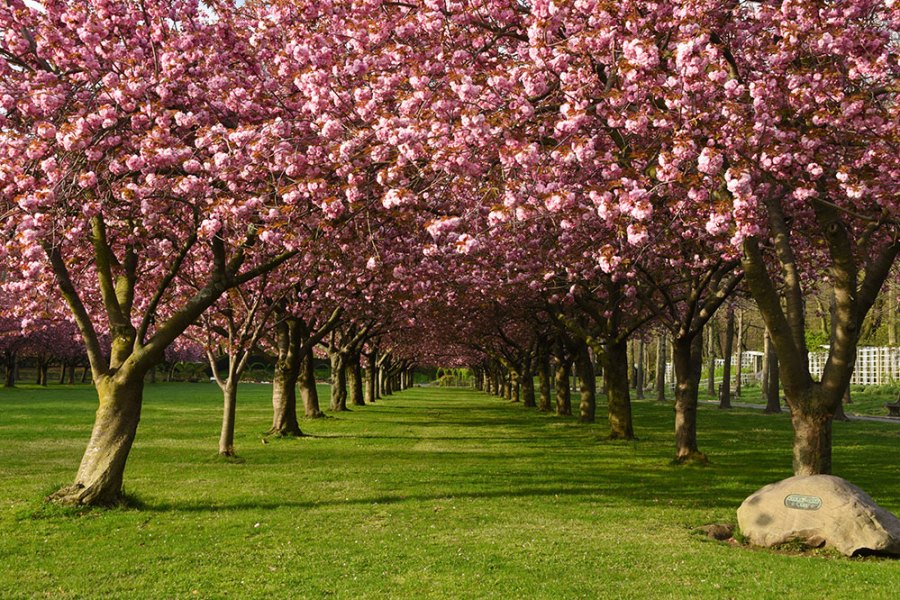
(801, 502)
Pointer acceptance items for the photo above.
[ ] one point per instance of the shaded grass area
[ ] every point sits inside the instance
(865, 400)
(429, 493)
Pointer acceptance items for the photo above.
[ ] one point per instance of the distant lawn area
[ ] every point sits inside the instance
(429, 493)
(864, 400)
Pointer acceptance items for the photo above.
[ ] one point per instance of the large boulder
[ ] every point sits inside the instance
(819, 510)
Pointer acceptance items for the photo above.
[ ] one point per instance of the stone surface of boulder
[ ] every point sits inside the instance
(819, 510)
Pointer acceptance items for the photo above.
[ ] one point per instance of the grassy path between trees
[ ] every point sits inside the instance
(429, 493)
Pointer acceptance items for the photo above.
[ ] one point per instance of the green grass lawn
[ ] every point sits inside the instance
(429, 493)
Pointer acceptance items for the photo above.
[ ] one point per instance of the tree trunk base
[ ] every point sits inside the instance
(285, 432)
(772, 410)
(316, 415)
(79, 495)
(694, 457)
(839, 414)
(620, 436)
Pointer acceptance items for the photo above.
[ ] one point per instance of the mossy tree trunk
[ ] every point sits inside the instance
(355, 381)
(661, 361)
(770, 379)
(528, 397)
(725, 389)
(10, 359)
(544, 377)
(371, 376)
(561, 383)
(640, 373)
(307, 384)
(712, 334)
(100, 475)
(226, 437)
(43, 365)
(618, 395)
(687, 356)
(284, 382)
(338, 382)
(739, 344)
(587, 408)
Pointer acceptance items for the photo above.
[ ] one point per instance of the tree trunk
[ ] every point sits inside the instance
(738, 381)
(477, 380)
(618, 396)
(355, 382)
(632, 365)
(388, 383)
(587, 409)
(338, 382)
(893, 312)
(371, 377)
(226, 438)
(563, 396)
(725, 389)
(771, 383)
(687, 358)
(99, 478)
(711, 358)
(661, 368)
(10, 360)
(544, 405)
(812, 419)
(385, 375)
(43, 365)
(84, 374)
(62, 372)
(306, 381)
(839, 414)
(639, 374)
(284, 403)
(528, 398)
(284, 382)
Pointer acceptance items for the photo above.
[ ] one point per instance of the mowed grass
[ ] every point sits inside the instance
(430, 493)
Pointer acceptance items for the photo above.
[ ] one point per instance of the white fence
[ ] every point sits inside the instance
(874, 365)
(751, 364)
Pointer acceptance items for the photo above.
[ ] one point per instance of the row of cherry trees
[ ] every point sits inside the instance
(486, 183)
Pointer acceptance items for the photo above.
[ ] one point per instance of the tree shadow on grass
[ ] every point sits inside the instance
(588, 492)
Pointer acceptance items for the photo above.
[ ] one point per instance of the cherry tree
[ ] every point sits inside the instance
(138, 139)
(231, 329)
(812, 88)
